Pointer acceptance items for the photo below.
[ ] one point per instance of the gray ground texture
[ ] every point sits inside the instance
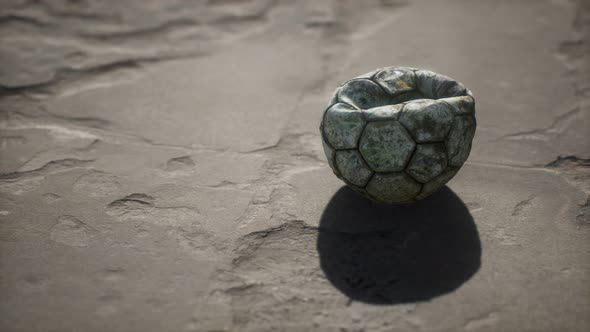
(162, 169)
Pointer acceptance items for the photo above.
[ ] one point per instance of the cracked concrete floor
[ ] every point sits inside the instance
(161, 169)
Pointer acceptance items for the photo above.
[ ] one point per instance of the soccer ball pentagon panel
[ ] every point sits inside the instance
(398, 134)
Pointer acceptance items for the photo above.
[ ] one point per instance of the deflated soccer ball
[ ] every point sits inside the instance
(398, 134)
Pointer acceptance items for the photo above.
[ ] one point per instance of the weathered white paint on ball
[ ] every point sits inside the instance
(427, 127)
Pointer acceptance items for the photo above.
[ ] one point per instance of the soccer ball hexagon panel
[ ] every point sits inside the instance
(398, 134)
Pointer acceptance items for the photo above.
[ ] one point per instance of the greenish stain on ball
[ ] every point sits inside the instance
(398, 134)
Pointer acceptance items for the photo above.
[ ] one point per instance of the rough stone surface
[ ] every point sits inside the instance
(161, 169)
(343, 126)
(393, 187)
(386, 146)
(352, 167)
(427, 120)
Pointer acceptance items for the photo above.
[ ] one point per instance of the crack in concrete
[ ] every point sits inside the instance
(64, 77)
(521, 206)
(559, 125)
(51, 167)
(293, 153)
(571, 54)
(163, 28)
(569, 160)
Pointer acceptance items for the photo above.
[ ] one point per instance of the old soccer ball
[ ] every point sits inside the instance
(398, 134)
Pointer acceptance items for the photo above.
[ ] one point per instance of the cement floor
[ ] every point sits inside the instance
(162, 170)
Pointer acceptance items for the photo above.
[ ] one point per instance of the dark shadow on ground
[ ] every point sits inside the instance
(397, 254)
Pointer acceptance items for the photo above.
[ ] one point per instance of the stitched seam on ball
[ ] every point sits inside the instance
(368, 167)
(322, 126)
(337, 169)
(329, 145)
(358, 148)
(407, 130)
(345, 103)
(344, 178)
(451, 107)
(375, 73)
(407, 163)
(416, 80)
(415, 144)
(368, 181)
(421, 190)
(413, 178)
(358, 141)
(419, 183)
(433, 142)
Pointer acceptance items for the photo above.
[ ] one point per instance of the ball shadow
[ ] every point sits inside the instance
(382, 254)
